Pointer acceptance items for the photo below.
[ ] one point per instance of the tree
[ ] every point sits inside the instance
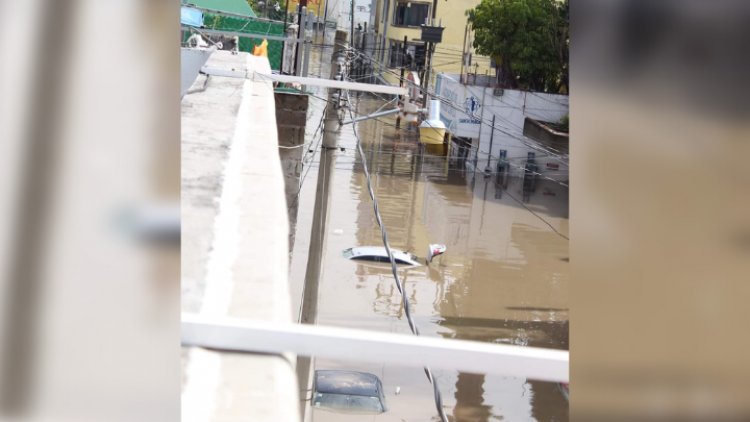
(270, 9)
(528, 39)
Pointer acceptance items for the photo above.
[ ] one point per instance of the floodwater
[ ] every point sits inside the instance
(503, 279)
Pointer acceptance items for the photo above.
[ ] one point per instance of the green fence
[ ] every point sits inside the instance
(249, 26)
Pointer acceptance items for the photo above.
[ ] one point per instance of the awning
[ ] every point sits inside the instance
(191, 17)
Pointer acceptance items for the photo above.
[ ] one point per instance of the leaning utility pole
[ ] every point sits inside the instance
(430, 35)
(331, 130)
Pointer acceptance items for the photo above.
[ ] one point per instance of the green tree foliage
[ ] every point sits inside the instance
(275, 9)
(528, 39)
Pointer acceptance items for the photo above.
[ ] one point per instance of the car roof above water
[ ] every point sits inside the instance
(347, 382)
(379, 254)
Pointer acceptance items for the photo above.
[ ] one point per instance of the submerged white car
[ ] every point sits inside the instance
(379, 254)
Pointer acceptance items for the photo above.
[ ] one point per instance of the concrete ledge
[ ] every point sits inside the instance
(545, 133)
(235, 242)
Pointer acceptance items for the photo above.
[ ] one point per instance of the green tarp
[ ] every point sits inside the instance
(240, 7)
(249, 25)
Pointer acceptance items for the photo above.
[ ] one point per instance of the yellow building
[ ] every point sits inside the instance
(396, 19)
(316, 7)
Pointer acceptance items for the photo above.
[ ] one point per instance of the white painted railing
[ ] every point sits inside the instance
(326, 83)
(245, 335)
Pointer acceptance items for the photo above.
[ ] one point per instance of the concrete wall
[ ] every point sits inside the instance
(291, 119)
(475, 104)
(234, 243)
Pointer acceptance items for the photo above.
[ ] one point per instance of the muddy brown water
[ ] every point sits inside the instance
(503, 279)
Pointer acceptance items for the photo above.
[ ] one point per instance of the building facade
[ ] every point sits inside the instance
(473, 109)
(395, 20)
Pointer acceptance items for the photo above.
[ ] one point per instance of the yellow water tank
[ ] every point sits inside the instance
(432, 130)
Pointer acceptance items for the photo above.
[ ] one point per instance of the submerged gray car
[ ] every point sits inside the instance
(348, 391)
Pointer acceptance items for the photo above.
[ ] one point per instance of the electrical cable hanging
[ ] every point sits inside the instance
(549, 150)
(483, 153)
(384, 234)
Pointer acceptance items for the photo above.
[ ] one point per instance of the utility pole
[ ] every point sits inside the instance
(430, 51)
(431, 35)
(302, 6)
(317, 20)
(331, 130)
(351, 42)
(428, 65)
(463, 53)
(401, 79)
(325, 21)
(363, 44)
(481, 119)
(492, 136)
(301, 32)
(283, 44)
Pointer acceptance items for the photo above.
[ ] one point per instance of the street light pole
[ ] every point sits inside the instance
(351, 19)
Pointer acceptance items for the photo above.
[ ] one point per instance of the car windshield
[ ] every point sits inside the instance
(378, 258)
(348, 403)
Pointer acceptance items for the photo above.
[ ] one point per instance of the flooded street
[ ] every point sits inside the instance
(503, 279)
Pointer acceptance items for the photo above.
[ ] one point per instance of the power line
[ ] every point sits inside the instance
(394, 271)
(317, 145)
(537, 216)
(449, 103)
(478, 151)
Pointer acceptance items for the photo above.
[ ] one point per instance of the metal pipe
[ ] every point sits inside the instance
(326, 83)
(372, 116)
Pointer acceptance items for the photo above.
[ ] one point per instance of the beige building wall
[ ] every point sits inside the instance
(447, 57)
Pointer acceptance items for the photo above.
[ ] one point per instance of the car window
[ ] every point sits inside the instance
(348, 403)
(378, 258)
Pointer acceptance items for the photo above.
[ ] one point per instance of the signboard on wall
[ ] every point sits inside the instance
(464, 117)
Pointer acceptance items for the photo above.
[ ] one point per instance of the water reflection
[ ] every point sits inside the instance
(503, 279)
(469, 397)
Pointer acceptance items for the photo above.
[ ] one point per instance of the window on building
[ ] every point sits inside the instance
(409, 13)
(412, 60)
